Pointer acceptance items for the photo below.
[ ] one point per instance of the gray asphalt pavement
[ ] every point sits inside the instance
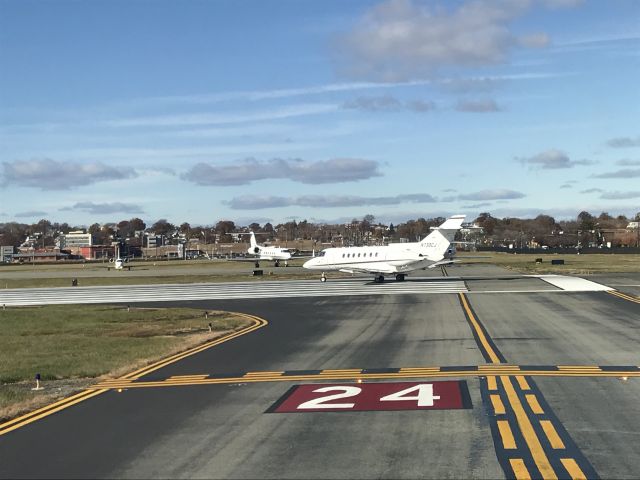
(222, 431)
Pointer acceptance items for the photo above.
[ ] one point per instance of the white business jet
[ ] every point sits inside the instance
(272, 254)
(395, 258)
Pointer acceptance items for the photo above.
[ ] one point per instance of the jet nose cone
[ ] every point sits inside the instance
(309, 263)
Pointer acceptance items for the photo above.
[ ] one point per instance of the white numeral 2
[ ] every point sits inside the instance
(320, 402)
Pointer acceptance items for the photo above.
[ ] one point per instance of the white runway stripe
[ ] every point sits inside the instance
(222, 291)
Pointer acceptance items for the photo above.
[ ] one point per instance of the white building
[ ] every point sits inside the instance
(75, 239)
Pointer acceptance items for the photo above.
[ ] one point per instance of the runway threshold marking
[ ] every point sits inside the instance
(624, 296)
(529, 440)
(91, 392)
(362, 374)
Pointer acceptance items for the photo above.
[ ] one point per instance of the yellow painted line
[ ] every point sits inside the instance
(483, 338)
(522, 382)
(32, 419)
(578, 367)
(508, 442)
(532, 400)
(43, 409)
(624, 296)
(573, 469)
(257, 323)
(498, 406)
(187, 377)
(346, 370)
(520, 470)
(125, 380)
(529, 434)
(350, 377)
(418, 370)
(502, 366)
(491, 383)
(552, 434)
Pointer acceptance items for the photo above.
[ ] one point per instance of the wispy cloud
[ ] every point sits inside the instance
(335, 170)
(624, 142)
(223, 118)
(31, 213)
(628, 163)
(620, 195)
(477, 106)
(623, 173)
(551, 160)
(388, 103)
(494, 194)
(592, 190)
(252, 202)
(105, 208)
(477, 205)
(48, 174)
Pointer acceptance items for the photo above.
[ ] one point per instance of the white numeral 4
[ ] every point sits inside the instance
(425, 396)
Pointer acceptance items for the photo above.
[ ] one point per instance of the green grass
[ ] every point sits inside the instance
(73, 341)
(71, 345)
(574, 264)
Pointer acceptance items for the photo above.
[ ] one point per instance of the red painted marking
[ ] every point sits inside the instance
(349, 397)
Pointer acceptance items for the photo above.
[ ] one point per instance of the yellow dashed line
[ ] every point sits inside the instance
(522, 382)
(491, 383)
(573, 469)
(498, 406)
(519, 469)
(529, 434)
(532, 400)
(550, 431)
(508, 442)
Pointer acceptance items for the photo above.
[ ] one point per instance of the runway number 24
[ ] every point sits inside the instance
(421, 393)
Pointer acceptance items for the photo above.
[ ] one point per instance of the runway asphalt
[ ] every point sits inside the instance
(543, 370)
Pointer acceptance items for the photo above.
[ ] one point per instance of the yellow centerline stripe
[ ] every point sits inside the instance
(51, 411)
(126, 379)
(573, 469)
(519, 469)
(529, 434)
(483, 339)
(624, 296)
(491, 383)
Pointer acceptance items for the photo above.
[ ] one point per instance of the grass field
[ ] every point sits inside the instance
(574, 264)
(71, 345)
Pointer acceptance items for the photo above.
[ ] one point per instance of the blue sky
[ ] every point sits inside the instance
(263, 111)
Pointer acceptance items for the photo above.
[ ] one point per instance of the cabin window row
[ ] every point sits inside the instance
(352, 255)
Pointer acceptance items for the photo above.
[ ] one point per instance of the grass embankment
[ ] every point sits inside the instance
(574, 264)
(72, 345)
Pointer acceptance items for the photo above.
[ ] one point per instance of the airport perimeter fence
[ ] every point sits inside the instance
(564, 251)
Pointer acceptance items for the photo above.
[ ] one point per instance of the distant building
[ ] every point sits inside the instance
(74, 240)
(633, 225)
(6, 253)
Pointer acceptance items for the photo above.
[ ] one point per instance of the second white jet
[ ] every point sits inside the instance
(395, 258)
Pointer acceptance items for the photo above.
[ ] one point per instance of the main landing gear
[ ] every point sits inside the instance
(277, 263)
(400, 277)
(378, 278)
(257, 264)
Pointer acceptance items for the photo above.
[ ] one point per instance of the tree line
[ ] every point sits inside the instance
(542, 230)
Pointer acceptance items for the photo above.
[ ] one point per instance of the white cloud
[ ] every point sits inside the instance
(335, 170)
(494, 194)
(623, 173)
(624, 142)
(403, 40)
(620, 195)
(551, 160)
(387, 103)
(477, 106)
(105, 208)
(252, 202)
(48, 174)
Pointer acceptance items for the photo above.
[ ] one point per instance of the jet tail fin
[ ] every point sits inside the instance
(438, 241)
